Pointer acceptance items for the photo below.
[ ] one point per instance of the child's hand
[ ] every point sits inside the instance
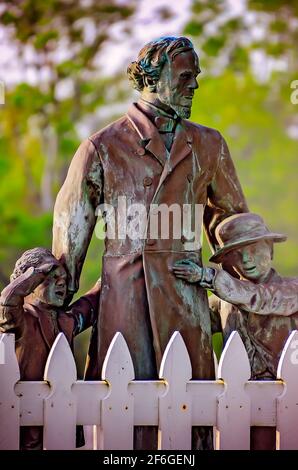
(46, 268)
(187, 270)
(32, 277)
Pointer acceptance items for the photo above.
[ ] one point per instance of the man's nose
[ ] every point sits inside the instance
(60, 282)
(193, 84)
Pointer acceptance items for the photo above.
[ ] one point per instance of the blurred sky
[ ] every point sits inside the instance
(151, 20)
(146, 24)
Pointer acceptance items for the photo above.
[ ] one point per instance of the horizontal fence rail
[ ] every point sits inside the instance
(110, 408)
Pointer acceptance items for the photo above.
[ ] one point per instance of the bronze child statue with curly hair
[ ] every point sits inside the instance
(31, 307)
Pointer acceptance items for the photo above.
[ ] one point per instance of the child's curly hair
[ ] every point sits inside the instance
(34, 257)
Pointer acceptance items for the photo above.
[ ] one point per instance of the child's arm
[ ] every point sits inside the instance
(85, 310)
(12, 299)
(263, 299)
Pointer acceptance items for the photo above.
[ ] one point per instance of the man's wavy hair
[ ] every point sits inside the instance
(30, 258)
(151, 59)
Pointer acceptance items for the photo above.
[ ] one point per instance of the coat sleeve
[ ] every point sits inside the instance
(225, 195)
(277, 298)
(12, 307)
(75, 211)
(84, 311)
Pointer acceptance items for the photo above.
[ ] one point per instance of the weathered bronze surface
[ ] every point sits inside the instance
(150, 155)
(267, 306)
(262, 305)
(31, 308)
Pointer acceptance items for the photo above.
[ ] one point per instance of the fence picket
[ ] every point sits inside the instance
(287, 402)
(233, 413)
(60, 405)
(175, 413)
(175, 403)
(9, 402)
(117, 418)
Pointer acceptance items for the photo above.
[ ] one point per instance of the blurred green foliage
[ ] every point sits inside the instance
(253, 120)
(252, 106)
(39, 128)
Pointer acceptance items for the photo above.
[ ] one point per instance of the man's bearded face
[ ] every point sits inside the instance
(178, 81)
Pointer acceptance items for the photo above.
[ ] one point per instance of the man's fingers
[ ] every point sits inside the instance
(184, 270)
(182, 262)
(180, 271)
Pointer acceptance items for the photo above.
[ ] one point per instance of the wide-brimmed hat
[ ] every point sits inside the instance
(239, 230)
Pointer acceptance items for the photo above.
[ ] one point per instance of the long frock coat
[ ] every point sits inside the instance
(140, 296)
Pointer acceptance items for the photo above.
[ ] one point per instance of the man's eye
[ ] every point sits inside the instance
(185, 75)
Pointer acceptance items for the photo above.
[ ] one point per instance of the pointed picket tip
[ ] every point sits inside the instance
(234, 362)
(118, 363)
(175, 360)
(8, 358)
(60, 365)
(289, 358)
(215, 361)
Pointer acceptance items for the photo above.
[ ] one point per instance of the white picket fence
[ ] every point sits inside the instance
(174, 403)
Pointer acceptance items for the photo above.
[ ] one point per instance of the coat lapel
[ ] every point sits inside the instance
(148, 133)
(181, 148)
(181, 145)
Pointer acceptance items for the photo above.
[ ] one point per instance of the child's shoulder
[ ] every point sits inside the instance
(285, 280)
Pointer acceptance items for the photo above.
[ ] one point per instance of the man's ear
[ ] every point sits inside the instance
(150, 83)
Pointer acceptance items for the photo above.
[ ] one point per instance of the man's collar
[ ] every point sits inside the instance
(149, 135)
(157, 110)
(151, 140)
(163, 121)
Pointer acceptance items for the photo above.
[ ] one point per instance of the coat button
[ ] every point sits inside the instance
(150, 242)
(158, 121)
(147, 181)
(141, 151)
(189, 177)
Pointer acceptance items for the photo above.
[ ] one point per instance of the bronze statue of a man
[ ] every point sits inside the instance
(152, 155)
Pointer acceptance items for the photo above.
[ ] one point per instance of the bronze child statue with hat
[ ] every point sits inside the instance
(262, 305)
